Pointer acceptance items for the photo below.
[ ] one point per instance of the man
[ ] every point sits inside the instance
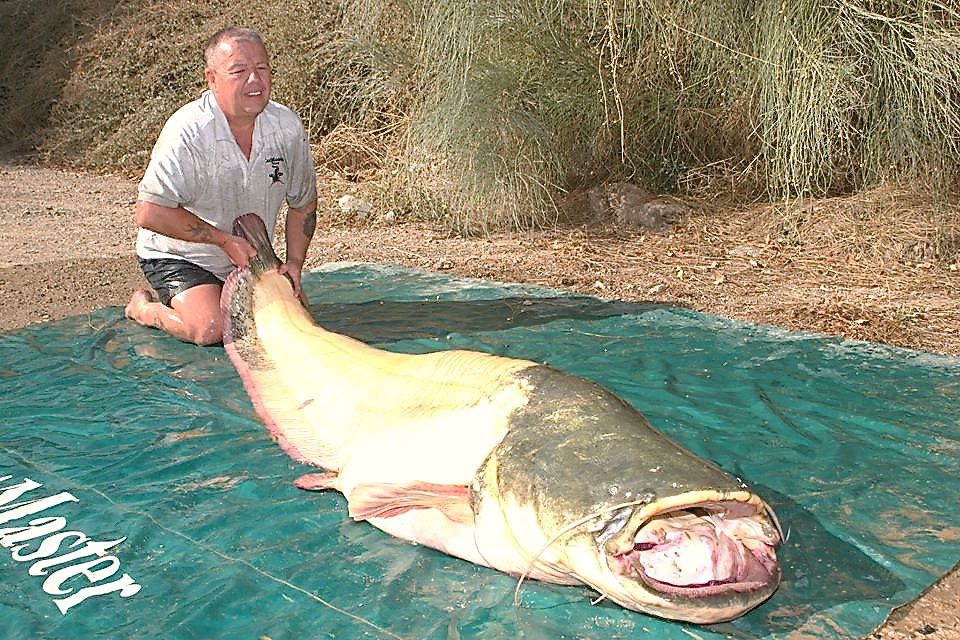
(230, 152)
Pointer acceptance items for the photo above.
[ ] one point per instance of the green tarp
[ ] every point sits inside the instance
(160, 508)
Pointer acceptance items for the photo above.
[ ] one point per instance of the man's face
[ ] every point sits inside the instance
(239, 77)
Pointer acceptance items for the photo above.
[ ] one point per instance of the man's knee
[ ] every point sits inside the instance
(199, 309)
(207, 333)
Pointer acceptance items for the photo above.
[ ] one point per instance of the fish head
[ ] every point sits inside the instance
(702, 556)
(583, 489)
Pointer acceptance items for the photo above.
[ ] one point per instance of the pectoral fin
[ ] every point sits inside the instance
(317, 481)
(387, 500)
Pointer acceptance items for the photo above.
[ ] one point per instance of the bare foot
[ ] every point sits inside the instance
(138, 299)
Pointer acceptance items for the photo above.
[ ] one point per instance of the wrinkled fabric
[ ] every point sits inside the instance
(855, 445)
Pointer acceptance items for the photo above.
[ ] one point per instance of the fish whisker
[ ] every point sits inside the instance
(776, 521)
(564, 531)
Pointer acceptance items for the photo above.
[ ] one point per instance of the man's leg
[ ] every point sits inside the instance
(189, 306)
(193, 315)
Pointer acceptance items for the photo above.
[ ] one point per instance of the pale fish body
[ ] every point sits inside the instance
(503, 462)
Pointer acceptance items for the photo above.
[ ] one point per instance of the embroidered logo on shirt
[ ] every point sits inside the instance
(276, 174)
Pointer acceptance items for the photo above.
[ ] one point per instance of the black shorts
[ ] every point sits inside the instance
(169, 276)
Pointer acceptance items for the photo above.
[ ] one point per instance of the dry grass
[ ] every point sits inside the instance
(448, 108)
(874, 266)
(852, 266)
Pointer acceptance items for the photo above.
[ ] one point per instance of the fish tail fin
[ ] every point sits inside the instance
(235, 297)
(251, 228)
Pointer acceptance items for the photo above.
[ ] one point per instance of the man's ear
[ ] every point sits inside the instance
(210, 76)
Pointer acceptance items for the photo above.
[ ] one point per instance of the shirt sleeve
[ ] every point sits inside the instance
(171, 176)
(303, 180)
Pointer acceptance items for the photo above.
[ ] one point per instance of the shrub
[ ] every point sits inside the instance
(484, 113)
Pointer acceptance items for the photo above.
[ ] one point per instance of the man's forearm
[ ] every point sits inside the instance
(176, 223)
(298, 232)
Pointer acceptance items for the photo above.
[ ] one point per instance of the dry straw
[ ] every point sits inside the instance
(483, 114)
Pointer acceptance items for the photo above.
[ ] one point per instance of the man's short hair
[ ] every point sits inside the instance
(229, 33)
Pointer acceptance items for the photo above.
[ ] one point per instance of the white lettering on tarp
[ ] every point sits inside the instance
(50, 546)
(22, 509)
(53, 585)
(124, 584)
(70, 545)
(92, 547)
(39, 528)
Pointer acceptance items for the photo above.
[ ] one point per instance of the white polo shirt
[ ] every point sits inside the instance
(197, 164)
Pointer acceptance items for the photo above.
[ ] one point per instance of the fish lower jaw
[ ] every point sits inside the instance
(757, 578)
(708, 603)
(707, 589)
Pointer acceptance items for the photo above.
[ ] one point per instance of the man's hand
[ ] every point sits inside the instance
(301, 223)
(179, 223)
(294, 271)
(237, 249)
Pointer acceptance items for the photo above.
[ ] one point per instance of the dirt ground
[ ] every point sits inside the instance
(66, 248)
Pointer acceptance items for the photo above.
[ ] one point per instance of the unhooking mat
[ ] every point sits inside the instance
(142, 498)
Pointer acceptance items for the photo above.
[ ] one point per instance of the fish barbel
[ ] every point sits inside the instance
(503, 462)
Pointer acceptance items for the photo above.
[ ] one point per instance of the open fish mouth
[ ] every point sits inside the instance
(700, 551)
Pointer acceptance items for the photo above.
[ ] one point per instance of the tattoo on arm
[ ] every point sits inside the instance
(310, 224)
(200, 232)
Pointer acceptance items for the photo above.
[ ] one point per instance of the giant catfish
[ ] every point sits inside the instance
(507, 463)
